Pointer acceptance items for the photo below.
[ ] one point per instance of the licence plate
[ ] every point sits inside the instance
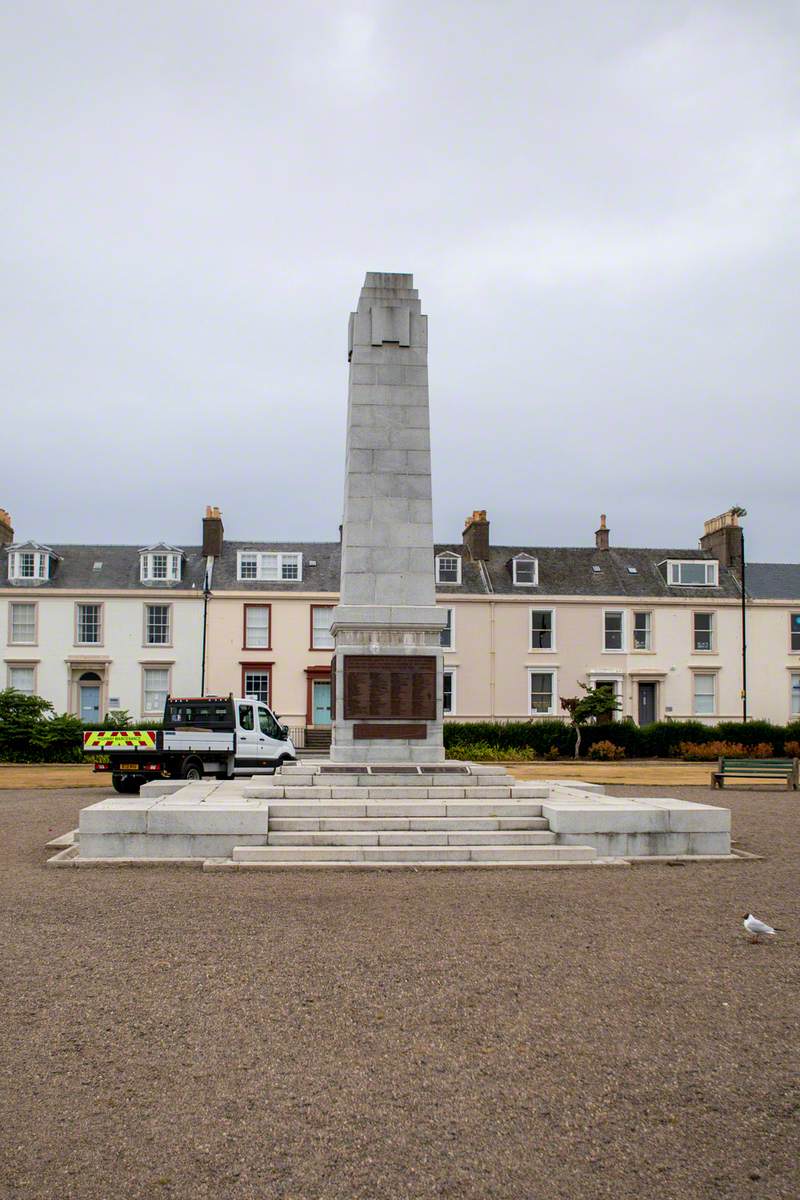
(129, 767)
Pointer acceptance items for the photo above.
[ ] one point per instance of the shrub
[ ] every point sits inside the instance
(713, 750)
(483, 752)
(605, 750)
(31, 732)
(792, 749)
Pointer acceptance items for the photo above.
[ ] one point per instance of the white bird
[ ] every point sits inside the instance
(759, 928)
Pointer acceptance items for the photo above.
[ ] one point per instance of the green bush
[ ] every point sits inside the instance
(31, 732)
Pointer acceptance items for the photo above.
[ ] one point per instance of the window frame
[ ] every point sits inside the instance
(438, 561)
(792, 648)
(794, 675)
(553, 673)
(640, 612)
(155, 666)
(245, 609)
(311, 643)
(674, 565)
(260, 557)
(712, 675)
(253, 668)
(622, 648)
(173, 566)
(526, 558)
(41, 565)
(79, 604)
(712, 630)
(12, 604)
(453, 709)
(148, 604)
(22, 665)
(449, 608)
(541, 608)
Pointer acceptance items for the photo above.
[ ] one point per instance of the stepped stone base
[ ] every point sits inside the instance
(320, 814)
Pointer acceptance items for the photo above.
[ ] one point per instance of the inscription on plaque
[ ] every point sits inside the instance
(389, 687)
(364, 732)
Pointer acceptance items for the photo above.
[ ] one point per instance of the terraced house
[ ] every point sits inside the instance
(94, 628)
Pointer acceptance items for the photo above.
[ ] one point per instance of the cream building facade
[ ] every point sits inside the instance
(103, 627)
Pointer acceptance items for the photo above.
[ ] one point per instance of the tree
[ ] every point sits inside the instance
(587, 709)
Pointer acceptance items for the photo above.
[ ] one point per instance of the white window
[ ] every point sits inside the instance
(256, 626)
(541, 692)
(696, 572)
(21, 678)
(448, 568)
(28, 564)
(321, 618)
(448, 634)
(526, 571)
(88, 624)
(156, 687)
(703, 634)
(256, 683)
(160, 566)
(543, 629)
(156, 625)
(795, 695)
(448, 693)
(643, 631)
(705, 695)
(256, 564)
(613, 630)
(22, 624)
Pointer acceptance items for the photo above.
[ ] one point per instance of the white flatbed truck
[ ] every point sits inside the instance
(206, 735)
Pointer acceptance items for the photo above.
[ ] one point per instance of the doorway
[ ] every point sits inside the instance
(647, 703)
(321, 702)
(89, 693)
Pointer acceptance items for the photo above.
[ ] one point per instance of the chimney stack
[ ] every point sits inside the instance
(601, 534)
(6, 532)
(723, 538)
(212, 532)
(476, 536)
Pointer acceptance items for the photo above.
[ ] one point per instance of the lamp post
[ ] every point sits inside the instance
(742, 512)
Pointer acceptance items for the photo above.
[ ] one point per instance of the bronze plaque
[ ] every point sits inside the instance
(365, 731)
(390, 687)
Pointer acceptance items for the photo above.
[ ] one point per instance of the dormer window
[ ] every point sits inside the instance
(29, 563)
(526, 570)
(696, 572)
(269, 565)
(160, 564)
(448, 568)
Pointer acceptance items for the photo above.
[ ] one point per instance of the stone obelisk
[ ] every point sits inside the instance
(387, 675)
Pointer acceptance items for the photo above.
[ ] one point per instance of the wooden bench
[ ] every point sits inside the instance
(755, 769)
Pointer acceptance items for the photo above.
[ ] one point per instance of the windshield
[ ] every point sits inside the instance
(208, 713)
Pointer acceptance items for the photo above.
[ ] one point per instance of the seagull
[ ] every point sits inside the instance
(758, 928)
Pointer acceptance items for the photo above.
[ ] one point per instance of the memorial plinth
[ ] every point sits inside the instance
(387, 672)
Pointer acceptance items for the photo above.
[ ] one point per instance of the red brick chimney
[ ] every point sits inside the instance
(722, 537)
(6, 532)
(212, 532)
(601, 534)
(476, 536)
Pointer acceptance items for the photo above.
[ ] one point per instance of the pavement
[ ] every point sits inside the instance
(572, 1034)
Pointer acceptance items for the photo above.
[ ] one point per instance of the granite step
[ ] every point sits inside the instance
(411, 810)
(386, 824)
(413, 837)
(312, 789)
(443, 854)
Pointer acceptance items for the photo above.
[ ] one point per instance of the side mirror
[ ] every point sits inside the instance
(284, 732)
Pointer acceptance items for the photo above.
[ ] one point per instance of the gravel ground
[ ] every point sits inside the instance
(575, 1033)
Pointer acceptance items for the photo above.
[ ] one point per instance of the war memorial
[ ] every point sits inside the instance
(387, 797)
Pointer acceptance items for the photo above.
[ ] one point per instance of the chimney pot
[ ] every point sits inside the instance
(213, 532)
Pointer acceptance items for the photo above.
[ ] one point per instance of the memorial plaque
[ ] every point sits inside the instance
(366, 731)
(390, 687)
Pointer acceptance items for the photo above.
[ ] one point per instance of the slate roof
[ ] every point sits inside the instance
(562, 571)
(773, 581)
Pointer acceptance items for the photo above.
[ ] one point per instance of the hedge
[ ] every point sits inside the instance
(30, 730)
(659, 740)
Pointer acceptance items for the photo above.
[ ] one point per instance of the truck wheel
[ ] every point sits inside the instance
(127, 785)
(192, 769)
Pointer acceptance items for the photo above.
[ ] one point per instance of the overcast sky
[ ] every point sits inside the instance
(598, 201)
